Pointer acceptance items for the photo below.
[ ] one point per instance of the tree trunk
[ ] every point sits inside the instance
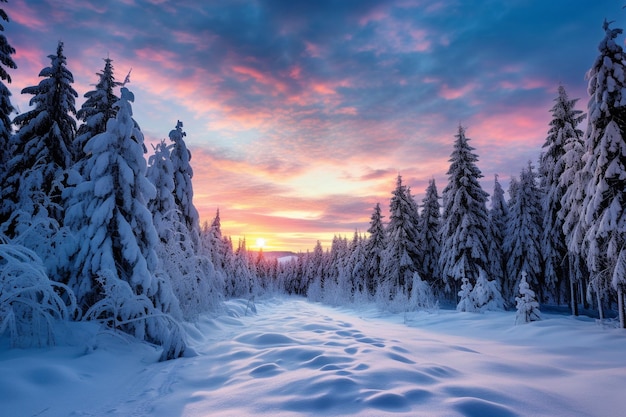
(620, 306)
(572, 286)
(600, 311)
(572, 296)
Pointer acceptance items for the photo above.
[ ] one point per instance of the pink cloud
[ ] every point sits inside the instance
(454, 93)
(260, 77)
(295, 72)
(24, 15)
(376, 15)
(313, 50)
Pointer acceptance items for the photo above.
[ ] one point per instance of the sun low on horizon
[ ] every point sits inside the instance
(300, 124)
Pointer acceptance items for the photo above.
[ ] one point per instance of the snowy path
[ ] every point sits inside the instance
(297, 358)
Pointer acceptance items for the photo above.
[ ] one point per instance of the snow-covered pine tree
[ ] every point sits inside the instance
(466, 302)
(497, 226)
(572, 180)
(336, 279)
(430, 234)
(242, 283)
(374, 249)
(227, 263)
(30, 303)
(526, 304)
(464, 223)
(160, 173)
(565, 119)
(338, 283)
(191, 274)
(486, 294)
(6, 108)
(313, 268)
(357, 266)
(421, 296)
(213, 242)
(401, 256)
(97, 109)
(522, 242)
(116, 264)
(183, 191)
(41, 149)
(604, 205)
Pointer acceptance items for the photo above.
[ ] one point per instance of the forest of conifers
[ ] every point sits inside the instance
(94, 226)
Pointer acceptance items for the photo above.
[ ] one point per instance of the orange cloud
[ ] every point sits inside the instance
(260, 77)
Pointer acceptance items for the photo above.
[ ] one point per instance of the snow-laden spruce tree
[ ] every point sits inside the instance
(466, 302)
(357, 267)
(430, 233)
(313, 267)
(523, 233)
(486, 294)
(374, 249)
(401, 256)
(212, 241)
(114, 274)
(42, 144)
(163, 207)
(183, 188)
(603, 215)
(565, 119)
(421, 296)
(572, 180)
(30, 304)
(497, 224)
(241, 282)
(338, 283)
(191, 274)
(6, 108)
(464, 222)
(97, 109)
(526, 304)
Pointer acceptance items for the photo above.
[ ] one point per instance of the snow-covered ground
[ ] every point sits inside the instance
(298, 358)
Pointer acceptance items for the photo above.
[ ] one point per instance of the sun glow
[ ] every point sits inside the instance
(260, 243)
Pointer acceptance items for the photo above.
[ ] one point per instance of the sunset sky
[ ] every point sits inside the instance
(300, 114)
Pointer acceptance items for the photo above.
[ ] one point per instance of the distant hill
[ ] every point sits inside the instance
(280, 255)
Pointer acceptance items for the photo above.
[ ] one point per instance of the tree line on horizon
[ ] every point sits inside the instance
(562, 231)
(91, 230)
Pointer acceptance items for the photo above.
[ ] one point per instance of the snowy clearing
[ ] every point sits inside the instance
(298, 358)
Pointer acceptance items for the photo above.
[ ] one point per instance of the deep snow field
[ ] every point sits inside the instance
(294, 358)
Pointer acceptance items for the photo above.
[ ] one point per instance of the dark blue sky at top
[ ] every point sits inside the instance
(300, 114)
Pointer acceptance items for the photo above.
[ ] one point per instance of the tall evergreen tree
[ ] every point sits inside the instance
(108, 210)
(498, 215)
(358, 264)
(374, 250)
(6, 108)
(97, 109)
(430, 233)
(604, 205)
(401, 256)
(213, 242)
(41, 149)
(162, 205)
(183, 190)
(522, 242)
(464, 224)
(571, 181)
(563, 125)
